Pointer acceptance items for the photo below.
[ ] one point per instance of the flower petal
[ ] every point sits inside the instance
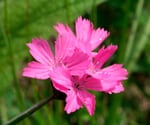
(112, 86)
(88, 38)
(117, 88)
(88, 100)
(103, 55)
(111, 77)
(91, 83)
(97, 37)
(109, 86)
(78, 63)
(73, 103)
(40, 50)
(64, 47)
(84, 29)
(64, 30)
(60, 87)
(61, 79)
(114, 72)
(36, 70)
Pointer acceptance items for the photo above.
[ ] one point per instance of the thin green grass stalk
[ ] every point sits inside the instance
(3, 111)
(117, 99)
(39, 114)
(40, 120)
(141, 43)
(123, 40)
(113, 110)
(12, 61)
(58, 113)
(28, 18)
(11, 57)
(133, 31)
(49, 115)
(68, 11)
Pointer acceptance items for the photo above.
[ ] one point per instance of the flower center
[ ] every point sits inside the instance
(77, 85)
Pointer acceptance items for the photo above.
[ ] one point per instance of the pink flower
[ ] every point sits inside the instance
(110, 77)
(66, 55)
(86, 38)
(74, 68)
(100, 79)
(75, 87)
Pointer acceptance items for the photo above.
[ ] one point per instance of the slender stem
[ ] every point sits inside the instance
(134, 27)
(11, 57)
(28, 18)
(141, 43)
(29, 111)
(117, 99)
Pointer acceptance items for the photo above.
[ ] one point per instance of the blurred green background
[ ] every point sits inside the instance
(129, 24)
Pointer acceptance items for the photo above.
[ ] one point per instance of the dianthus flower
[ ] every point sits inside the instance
(66, 55)
(74, 67)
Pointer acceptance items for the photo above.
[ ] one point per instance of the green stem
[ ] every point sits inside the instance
(29, 111)
(141, 43)
(117, 99)
(133, 30)
(28, 18)
(11, 56)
